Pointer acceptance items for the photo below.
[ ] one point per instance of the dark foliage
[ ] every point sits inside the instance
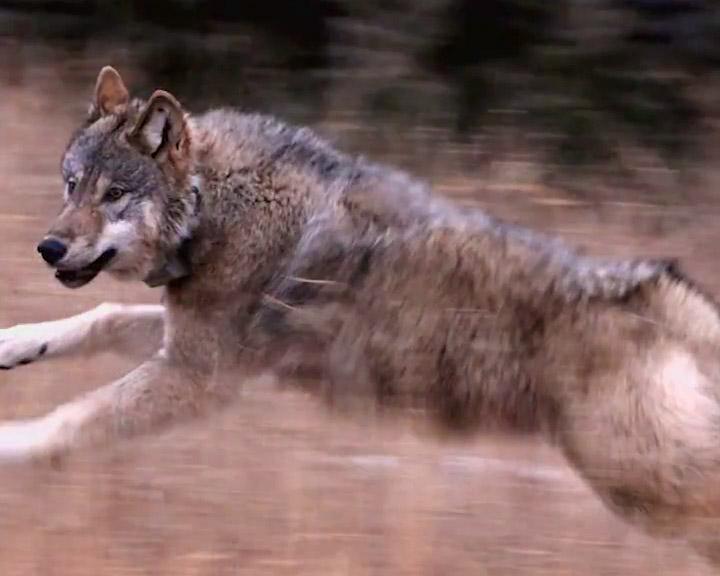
(590, 83)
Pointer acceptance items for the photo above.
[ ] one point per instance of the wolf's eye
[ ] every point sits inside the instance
(71, 186)
(114, 194)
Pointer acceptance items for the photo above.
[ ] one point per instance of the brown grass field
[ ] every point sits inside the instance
(277, 484)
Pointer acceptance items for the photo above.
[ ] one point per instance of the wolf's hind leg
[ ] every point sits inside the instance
(647, 440)
(147, 399)
(128, 329)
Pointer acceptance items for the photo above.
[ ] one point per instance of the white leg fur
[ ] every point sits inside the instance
(29, 439)
(151, 396)
(129, 329)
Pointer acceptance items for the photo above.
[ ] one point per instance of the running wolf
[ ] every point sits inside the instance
(277, 252)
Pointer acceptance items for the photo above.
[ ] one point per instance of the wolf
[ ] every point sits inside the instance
(277, 252)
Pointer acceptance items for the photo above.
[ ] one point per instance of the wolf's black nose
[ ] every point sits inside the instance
(51, 250)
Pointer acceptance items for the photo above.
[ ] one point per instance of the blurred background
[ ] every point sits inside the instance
(598, 120)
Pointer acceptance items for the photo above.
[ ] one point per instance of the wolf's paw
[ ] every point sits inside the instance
(38, 441)
(22, 344)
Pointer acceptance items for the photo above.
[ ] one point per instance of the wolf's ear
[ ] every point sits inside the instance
(110, 93)
(160, 127)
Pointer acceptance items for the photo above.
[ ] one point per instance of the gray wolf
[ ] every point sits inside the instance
(277, 252)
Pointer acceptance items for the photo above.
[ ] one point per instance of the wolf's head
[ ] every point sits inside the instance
(129, 201)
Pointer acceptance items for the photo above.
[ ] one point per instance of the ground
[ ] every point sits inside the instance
(277, 484)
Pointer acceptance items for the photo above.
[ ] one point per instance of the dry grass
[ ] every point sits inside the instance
(276, 485)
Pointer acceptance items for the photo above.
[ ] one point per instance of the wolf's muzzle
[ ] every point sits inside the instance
(52, 250)
(74, 278)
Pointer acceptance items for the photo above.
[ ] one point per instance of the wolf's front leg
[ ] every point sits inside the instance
(146, 399)
(135, 329)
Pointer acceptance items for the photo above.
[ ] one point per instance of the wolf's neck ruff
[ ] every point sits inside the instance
(175, 267)
(176, 264)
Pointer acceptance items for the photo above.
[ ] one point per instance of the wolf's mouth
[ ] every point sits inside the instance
(81, 276)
